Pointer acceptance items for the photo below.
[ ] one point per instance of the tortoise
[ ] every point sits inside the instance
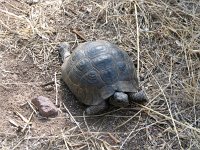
(99, 73)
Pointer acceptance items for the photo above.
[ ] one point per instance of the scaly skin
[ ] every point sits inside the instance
(138, 97)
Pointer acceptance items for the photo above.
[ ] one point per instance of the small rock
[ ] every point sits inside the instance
(32, 2)
(45, 106)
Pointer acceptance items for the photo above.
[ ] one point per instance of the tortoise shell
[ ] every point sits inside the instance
(95, 70)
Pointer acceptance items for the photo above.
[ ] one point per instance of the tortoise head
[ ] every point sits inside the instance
(119, 99)
(63, 49)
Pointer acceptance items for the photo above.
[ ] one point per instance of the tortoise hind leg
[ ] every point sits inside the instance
(96, 109)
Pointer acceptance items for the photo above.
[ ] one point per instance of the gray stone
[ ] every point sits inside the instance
(45, 107)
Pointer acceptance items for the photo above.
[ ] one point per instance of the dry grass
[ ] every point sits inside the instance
(162, 37)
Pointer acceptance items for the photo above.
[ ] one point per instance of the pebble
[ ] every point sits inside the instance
(45, 106)
(32, 2)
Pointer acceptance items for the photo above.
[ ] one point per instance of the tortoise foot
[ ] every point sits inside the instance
(139, 97)
(96, 109)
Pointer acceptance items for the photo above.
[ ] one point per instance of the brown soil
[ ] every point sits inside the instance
(169, 66)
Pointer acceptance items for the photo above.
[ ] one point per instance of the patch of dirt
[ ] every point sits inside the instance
(168, 64)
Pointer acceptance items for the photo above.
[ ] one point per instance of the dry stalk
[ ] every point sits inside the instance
(56, 85)
(27, 123)
(171, 115)
(169, 118)
(74, 120)
(138, 41)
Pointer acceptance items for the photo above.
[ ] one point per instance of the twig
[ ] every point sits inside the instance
(195, 51)
(107, 146)
(113, 138)
(129, 135)
(32, 107)
(48, 83)
(136, 113)
(18, 144)
(66, 144)
(22, 117)
(168, 104)
(81, 147)
(138, 42)
(8, 27)
(79, 34)
(6, 88)
(14, 123)
(19, 17)
(20, 83)
(28, 121)
(86, 122)
(169, 118)
(56, 85)
(74, 120)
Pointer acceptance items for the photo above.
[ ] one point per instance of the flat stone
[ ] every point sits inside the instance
(45, 107)
(32, 2)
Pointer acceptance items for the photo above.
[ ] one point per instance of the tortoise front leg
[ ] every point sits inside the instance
(138, 97)
(96, 109)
